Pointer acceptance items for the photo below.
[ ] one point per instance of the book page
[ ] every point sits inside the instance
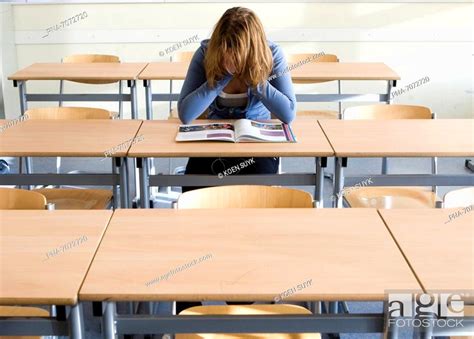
(253, 131)
(206, 132)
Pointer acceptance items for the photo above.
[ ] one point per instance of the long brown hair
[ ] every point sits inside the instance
(239, 35)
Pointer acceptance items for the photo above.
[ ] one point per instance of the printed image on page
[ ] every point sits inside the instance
(206, 132)
(251, 130)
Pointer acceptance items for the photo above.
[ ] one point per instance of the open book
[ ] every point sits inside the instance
(242, 130)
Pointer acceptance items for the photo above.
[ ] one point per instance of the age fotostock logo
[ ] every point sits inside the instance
(425, 309)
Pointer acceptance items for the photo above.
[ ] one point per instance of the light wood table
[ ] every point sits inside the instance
(439, 248)
(251, 255)
(159, 141)
(108, 72)
(79, 71)
(316, 72)
(29, 275)
(69, 138)
(400, 138)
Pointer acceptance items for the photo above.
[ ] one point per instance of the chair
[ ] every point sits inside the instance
(93, 58)
(459, 198)
(390, 197)
(247, 310)
(245, 196)
(17, 311)
(320, 114)
(19, 199)
(75, 198)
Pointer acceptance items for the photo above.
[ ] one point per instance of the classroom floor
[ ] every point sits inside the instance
(355, 166)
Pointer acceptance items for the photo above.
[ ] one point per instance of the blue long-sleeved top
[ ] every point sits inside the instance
(276, 95)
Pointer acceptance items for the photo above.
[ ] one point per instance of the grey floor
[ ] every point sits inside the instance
(355, 166)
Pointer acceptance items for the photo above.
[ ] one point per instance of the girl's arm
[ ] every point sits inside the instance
(196, 95)
(277, 94)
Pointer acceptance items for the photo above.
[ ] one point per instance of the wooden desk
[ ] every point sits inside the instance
(401, 138)
(29, 275)
(315, 71)
(159, 141)
(164, 71)
(67, 138)
(71, 138)
(79, 71)
(439, 251)
(323, 71)
(255, 255)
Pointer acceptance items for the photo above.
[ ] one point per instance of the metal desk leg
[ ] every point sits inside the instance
(76, 324)
(133, 98)
(319, 186)
(148, 99)
(469, 165)
(142, 164)
(384, 165)
(333, 307)
(115, 188)
(420, 330)
(388, 101)
(134, 113)
(338, 181)
(124, 193)
(434, 170)
(23, 108)
(108, 321)
(149, 115)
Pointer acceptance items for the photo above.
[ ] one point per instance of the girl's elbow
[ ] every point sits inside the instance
(182, 114)
(290, 114)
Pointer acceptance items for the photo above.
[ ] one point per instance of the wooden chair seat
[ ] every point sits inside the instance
(77, 199)
(390, 197)
(247, 310)
(21, 311)
(91, 58)
(67, 113)
(319, 114)
(18, 199)
(245, 196)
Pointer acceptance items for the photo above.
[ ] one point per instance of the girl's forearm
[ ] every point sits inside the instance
(278, 103)
(196, 102)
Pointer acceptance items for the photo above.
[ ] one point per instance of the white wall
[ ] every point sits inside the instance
(415, 39)
(8, 62)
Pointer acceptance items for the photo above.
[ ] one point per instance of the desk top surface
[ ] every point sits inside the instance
(159, 141)
(401, 138)
(438, 243)
(67, 138)
(40, 265)
(80, 71)
(251, 254)
(317, 71)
